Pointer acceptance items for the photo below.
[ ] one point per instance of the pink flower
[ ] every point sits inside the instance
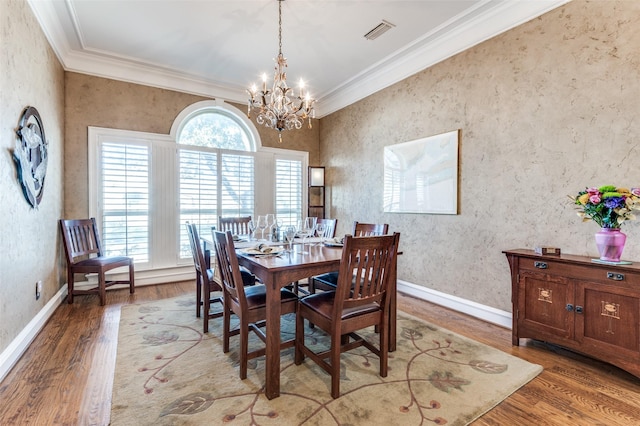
(593, 191)
(594, 199)
(635, 191)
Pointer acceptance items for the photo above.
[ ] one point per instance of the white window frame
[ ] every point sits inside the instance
(165, 264)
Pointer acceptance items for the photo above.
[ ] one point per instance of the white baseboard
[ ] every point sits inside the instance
(483, 312)
(10, 356)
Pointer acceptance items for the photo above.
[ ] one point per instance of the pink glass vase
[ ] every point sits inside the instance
(610, 243)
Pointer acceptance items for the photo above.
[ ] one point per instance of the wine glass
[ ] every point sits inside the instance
(312, 225)
(279, 227)
(271, 221)
(321, 228)
(300, 232)
(289, 235)
(252, 228)
(306, 229)
(262, 225)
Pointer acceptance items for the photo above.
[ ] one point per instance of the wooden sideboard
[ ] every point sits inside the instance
(579, 304)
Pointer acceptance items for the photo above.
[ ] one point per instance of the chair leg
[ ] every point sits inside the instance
(336, 339)
(226, 323)
(244, 348)
(198, 294)
(70, 277)
(102, 288)
(384, 346)
(206, 298)
(132, 288)
(312, 290)
(299, 355)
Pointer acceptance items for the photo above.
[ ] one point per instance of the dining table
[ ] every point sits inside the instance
(278, 271)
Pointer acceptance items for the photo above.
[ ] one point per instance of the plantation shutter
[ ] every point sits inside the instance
(125, 200)
(198, 194)
(237, 185)
(288, 191)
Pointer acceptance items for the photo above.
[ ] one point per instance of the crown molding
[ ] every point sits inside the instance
(489, 19)
(132, 72)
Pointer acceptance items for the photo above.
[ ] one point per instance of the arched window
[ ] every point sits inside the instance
(214, 130)
(215, 124)
(217, 166)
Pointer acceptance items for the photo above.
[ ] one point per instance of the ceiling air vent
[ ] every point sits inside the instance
(380, 29)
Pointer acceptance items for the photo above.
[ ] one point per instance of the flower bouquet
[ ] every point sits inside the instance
(609, 207)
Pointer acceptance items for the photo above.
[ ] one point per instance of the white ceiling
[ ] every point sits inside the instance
(217, 48)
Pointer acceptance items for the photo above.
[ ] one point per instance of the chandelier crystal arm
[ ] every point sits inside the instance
(279, 108)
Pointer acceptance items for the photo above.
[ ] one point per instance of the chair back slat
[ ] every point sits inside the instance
(229, 268)
(237, 225)
(366, 268)
(330, 226)
(81, 238)
(196, 248)
(369, 229)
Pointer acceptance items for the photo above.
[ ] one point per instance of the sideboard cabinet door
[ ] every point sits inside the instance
(609, 319)
(542, 308)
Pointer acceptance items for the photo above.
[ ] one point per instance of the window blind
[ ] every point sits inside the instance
(125, 200)
(237, 185)
(288, 191)
(198, 194)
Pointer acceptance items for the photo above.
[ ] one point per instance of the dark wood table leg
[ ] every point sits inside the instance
(272, 361)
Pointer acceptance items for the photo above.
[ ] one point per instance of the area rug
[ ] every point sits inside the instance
(169, 373)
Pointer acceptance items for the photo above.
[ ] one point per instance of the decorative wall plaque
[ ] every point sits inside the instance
(30, 155)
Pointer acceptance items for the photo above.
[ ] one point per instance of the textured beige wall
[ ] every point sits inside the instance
(545, 109)
(30, 75)
(94, 101)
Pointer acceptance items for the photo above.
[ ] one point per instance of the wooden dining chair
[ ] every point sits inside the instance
(361, 299)
(248, 303)
(206, 282)
(328, 281)
(237, 225)
(85, 255)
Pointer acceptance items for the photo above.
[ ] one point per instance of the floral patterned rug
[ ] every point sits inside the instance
(169, 373)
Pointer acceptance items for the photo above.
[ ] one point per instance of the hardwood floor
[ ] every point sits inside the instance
(66, 375)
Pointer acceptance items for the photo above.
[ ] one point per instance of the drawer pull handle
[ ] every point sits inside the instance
(615, 276)
(540, 265)
(569, 307)
(579, 309)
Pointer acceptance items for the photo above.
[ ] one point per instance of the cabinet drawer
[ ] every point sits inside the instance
(597, 273)
(545, 265)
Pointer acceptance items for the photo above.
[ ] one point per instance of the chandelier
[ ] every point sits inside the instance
(279, 108)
